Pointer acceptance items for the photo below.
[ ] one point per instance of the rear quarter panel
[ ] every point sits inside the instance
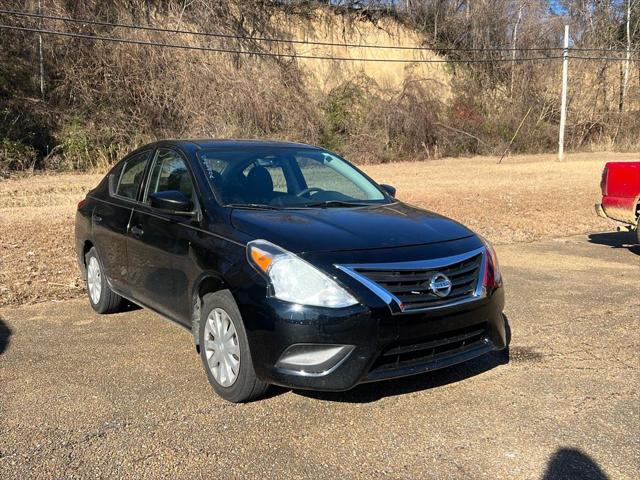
(82, 233)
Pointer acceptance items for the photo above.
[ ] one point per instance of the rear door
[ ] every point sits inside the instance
(158, 243)
(111, 215)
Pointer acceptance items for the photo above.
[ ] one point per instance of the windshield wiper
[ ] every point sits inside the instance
(335, 203)
(253, 205)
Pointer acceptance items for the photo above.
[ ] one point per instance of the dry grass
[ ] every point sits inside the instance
(525, 198)
(36, 237)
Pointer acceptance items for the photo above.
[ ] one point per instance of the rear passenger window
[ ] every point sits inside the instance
(131, 176)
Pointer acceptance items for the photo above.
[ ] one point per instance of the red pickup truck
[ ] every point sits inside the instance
(620, 186)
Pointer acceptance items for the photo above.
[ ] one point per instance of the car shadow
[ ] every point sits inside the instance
(371, 392)
(573, 463)
(127, 306)
(620, 239)
(5, 335)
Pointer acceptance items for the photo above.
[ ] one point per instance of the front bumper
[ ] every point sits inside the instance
(381, 345)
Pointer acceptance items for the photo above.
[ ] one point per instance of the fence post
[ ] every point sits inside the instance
(563, 103)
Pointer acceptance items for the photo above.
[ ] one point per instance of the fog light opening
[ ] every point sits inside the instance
(313, 359)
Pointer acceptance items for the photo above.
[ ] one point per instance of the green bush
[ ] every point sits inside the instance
(345, 110)
(75, 147)
(15, 156)
(23, 121)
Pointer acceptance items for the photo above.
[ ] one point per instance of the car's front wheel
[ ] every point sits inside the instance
(224, 350)
(101, 297)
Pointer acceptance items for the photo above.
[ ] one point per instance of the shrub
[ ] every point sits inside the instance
(345, 110)
(15, 156)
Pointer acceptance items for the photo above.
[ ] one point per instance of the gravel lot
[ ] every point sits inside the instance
(125, 396)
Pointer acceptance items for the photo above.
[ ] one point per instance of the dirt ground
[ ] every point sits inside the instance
(124, 395)
(523, 199)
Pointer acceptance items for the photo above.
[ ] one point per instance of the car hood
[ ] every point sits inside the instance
(359, 228)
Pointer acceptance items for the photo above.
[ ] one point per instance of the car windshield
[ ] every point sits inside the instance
(287, 177)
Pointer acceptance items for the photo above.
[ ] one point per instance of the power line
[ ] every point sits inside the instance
(620, 59)
(299, 42)
(206, 34)
(264, 54)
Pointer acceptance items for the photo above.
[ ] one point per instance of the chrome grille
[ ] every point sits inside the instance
(408, 283)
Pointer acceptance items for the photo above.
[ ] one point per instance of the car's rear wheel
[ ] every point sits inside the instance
(224, 350)
(101, 297)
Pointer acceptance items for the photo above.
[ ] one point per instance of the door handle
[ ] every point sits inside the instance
(137, 232)
(97, 218)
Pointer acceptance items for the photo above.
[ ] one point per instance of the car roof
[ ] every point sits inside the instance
(232, 143)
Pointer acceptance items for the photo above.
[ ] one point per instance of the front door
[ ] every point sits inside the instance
(158, 243)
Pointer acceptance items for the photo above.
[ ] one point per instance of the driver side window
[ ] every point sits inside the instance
(169, 172)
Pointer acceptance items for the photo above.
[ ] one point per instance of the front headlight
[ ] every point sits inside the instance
(294, 280)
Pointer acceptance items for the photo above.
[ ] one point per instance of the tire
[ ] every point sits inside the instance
(224, 350)
(507, 329)
(101, 297)
(505, 354)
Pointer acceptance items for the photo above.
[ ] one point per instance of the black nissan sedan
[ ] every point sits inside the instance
(289, 266)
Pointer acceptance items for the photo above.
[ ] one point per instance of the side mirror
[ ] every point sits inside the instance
(389, 189)
(172, 201)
